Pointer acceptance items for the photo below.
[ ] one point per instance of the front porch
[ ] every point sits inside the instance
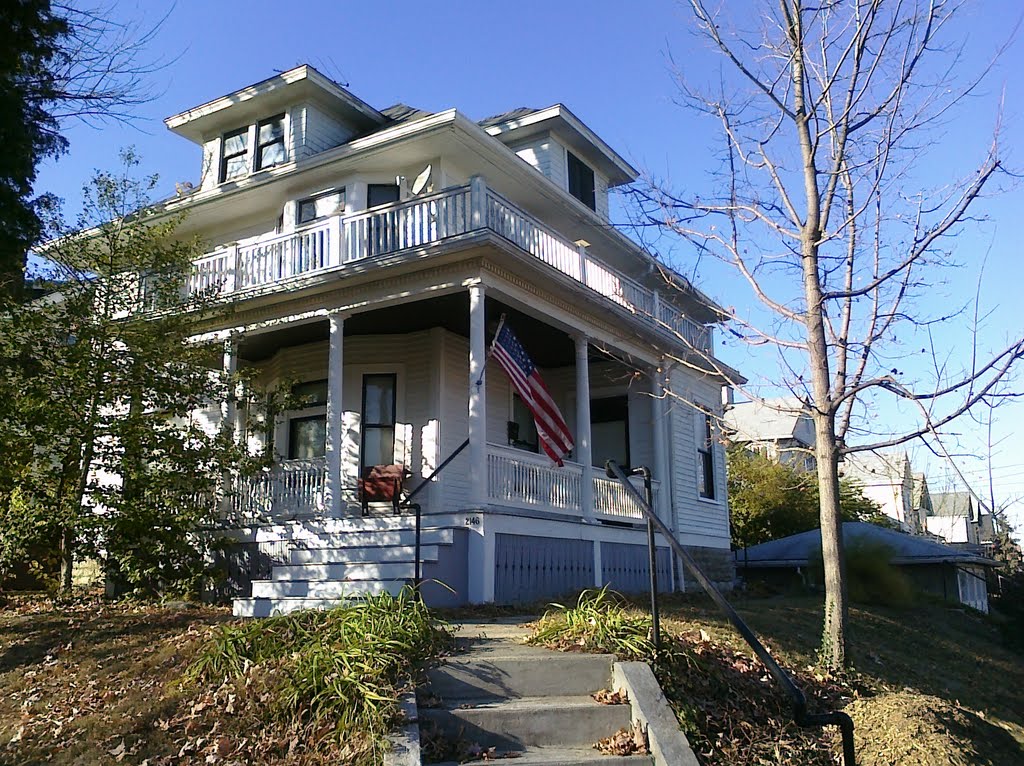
(296, 489)
(389, 387)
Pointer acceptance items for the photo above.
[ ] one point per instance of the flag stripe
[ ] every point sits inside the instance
(552, 430)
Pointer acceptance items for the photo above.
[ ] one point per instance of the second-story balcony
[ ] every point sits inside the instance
(338, 241)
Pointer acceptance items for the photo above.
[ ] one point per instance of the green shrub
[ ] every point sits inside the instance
(870, 577)
(334, 675)
(600, 622)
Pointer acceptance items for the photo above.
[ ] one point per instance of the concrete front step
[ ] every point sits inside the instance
(359, 570)
(560, 756)
(520, 672)
(323, 589)
(361, 553)
(265, 607)
(517, 724)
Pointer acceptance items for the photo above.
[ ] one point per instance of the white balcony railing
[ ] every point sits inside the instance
(421, 221)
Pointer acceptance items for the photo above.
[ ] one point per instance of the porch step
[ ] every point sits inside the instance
(266, 607)
(361, 553)
(358, 570)
(322, 589)
(318, 527)
(375, 539)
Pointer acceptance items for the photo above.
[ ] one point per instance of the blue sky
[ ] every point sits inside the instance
(608, 61)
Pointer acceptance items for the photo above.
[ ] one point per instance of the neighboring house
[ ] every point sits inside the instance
(941, 570)
(780, 429)
(887, 479)
(921, 500)
(960, 517)
(367, 256)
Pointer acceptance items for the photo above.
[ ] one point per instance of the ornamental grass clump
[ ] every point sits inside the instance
(333, 676)
(601, 621)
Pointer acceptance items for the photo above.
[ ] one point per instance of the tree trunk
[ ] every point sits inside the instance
(67, 560)
(832, 653)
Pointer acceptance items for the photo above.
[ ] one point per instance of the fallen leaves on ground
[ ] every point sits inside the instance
(630, 740)
(609, 697)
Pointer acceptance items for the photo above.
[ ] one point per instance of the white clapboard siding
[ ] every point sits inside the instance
(703, 521)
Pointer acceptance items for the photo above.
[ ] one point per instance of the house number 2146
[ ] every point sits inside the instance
(472, 521)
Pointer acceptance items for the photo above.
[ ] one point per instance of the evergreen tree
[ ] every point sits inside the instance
(106, 455)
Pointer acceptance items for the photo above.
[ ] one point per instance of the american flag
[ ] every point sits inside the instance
(552, 430)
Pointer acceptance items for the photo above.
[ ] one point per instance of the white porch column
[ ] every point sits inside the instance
(584, 452)
(229, 406)
(477, 397)
(662, 464)
(335, 413)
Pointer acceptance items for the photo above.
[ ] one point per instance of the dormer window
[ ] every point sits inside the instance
(270, 142)
(581, 181)
(234, 158)
(237, 161)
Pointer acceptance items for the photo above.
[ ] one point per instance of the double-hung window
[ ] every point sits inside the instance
(581, 181)
(706, 461)
(378, 422)
(234, 159)
(307, 427)
(270, 142)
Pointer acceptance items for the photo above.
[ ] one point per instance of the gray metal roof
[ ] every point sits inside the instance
(793, 551)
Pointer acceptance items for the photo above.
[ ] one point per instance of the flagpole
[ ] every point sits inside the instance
(490, 349)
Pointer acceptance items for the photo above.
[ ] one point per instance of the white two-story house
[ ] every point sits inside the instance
(366, 257)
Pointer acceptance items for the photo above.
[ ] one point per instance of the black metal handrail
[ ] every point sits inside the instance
(408, 503)
(796, 695)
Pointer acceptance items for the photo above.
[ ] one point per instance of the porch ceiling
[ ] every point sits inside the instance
(547, 346)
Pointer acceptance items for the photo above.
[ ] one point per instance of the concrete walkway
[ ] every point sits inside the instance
(523, 700)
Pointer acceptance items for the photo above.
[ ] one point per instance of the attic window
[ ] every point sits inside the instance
(581, 181)
(270, 142)
(234, 160)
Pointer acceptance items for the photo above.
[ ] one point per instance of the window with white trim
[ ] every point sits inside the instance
(379, 419)
(307, 427)
(706, 458)
(581, 180)
(234, 154)
(319, 206)
(270, 142)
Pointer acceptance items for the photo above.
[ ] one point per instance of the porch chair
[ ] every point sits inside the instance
(382, 484)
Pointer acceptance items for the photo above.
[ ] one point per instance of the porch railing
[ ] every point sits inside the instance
(289, 488)
(522, 479)
(338, 241)
(612, 500)
(515, 478)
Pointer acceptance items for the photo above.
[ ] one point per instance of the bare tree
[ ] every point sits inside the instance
(824, 110)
